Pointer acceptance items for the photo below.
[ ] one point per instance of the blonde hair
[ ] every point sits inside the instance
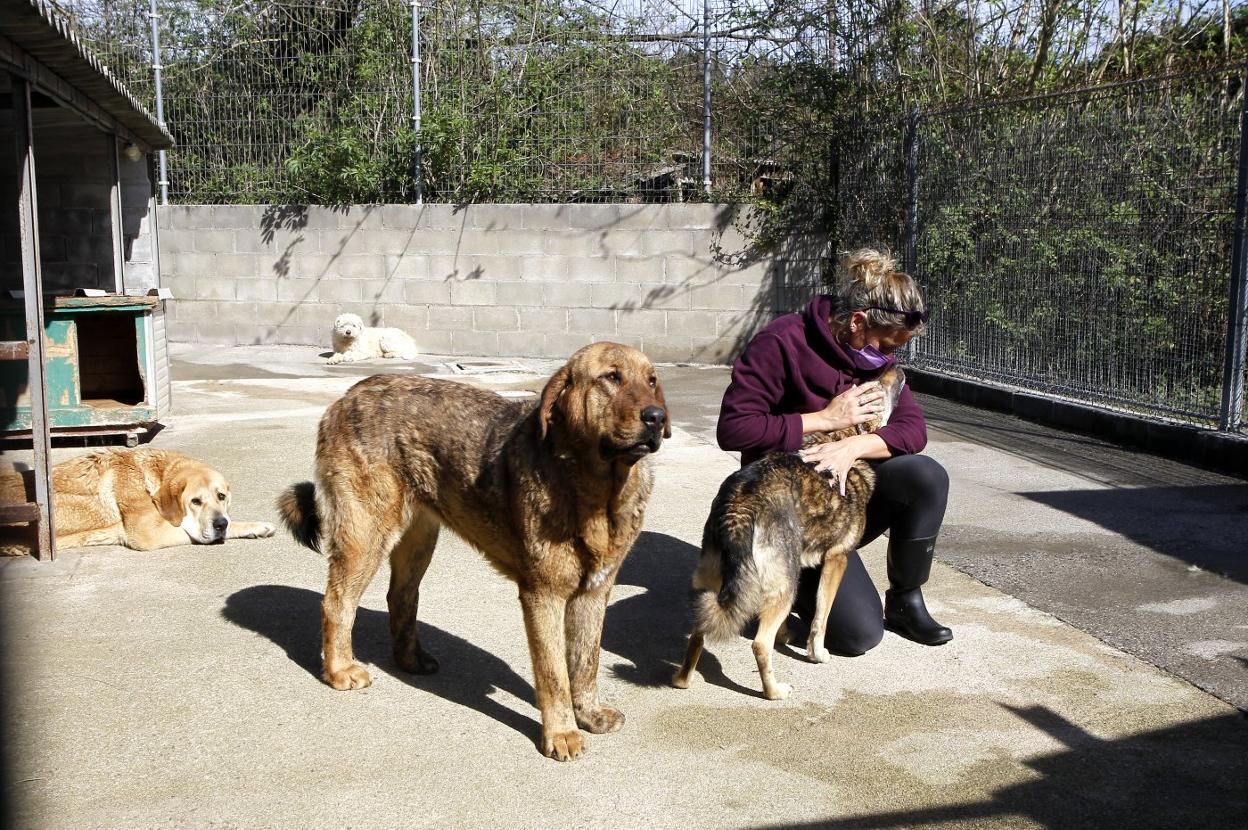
(867, 277)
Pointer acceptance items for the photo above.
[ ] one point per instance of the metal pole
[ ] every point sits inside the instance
(1232, 411)
(911, 252)
(706, 96)
(115, 214)
(160, 102)
(32, 288)
(418, 173)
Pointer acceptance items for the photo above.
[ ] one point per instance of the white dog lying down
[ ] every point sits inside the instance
(355, 341)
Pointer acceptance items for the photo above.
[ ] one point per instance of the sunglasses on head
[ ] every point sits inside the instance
(912, 319)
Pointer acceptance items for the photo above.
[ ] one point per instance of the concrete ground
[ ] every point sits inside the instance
(1098, 660)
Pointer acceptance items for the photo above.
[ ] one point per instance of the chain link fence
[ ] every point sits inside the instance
(1079, 244)
(521, 101)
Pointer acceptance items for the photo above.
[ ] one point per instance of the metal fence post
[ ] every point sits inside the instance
(910, 244)
(706, 96)
(1232, 411)
(417, 173)
(160, 102)
(910, 254)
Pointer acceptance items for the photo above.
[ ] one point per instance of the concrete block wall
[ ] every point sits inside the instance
(491, 280)
(138, 228)
(73, 172)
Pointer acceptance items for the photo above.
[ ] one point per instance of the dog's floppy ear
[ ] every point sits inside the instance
(554, 388)
(169, 500)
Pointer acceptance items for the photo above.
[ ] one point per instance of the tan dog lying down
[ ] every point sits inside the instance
(143, 499)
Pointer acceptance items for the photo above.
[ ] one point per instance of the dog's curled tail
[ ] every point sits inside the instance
(297, 507)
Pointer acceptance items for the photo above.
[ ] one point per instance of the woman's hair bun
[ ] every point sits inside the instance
(867, 266)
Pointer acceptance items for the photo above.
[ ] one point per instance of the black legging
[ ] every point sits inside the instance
(909, 502)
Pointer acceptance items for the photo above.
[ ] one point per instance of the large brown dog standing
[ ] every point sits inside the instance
(552, 493)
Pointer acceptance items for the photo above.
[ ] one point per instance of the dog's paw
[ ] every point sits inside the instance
(563, 746)
(818, 654)
(681, 680)
(422, 662)
(777, 691)
(601, 720)
(258, 530)
(337, 358)
(354, 676)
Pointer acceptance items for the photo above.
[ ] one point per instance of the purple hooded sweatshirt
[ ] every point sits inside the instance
(796, 365)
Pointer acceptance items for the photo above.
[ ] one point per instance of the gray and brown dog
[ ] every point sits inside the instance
(769, 520)
(552, 492)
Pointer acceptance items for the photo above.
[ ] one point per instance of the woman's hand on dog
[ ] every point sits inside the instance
(836, 457)
(856, 405)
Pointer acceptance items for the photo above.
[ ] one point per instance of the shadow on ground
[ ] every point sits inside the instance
(651, 630)
(286, 616)
(1206, 526)
(1191, 775)
(648, 631)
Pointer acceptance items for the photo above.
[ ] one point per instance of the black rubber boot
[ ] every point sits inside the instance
(909, 565)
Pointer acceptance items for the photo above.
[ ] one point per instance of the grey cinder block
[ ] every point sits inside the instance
(255, 290)
(599, 322)
(466, 342)
(237, 265)
(592, 269)
(543, 320)
(644, 323)
(501, 318)
(472, 292)
(696, 324)
(568, 295)
(716, 297)
(407, 266)
(543, 269)
(412, 319)
(450, 317)
(666, 347)
(426, 292)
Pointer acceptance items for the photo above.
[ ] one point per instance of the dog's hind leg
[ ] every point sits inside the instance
(708, 579)
(773, 615)
(408, 562)
(829, 582)
(692, 655)
(356, 545)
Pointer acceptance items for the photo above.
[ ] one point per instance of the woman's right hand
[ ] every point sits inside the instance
(854, 406)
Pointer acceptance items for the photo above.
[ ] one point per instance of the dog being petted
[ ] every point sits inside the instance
(770, 519)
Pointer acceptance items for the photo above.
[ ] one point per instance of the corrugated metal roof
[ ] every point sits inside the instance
(39, 30)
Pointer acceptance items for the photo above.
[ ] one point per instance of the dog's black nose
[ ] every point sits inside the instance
(654, 416)
(220, 523)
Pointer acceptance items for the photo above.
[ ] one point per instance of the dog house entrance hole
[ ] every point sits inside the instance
(108, 361)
